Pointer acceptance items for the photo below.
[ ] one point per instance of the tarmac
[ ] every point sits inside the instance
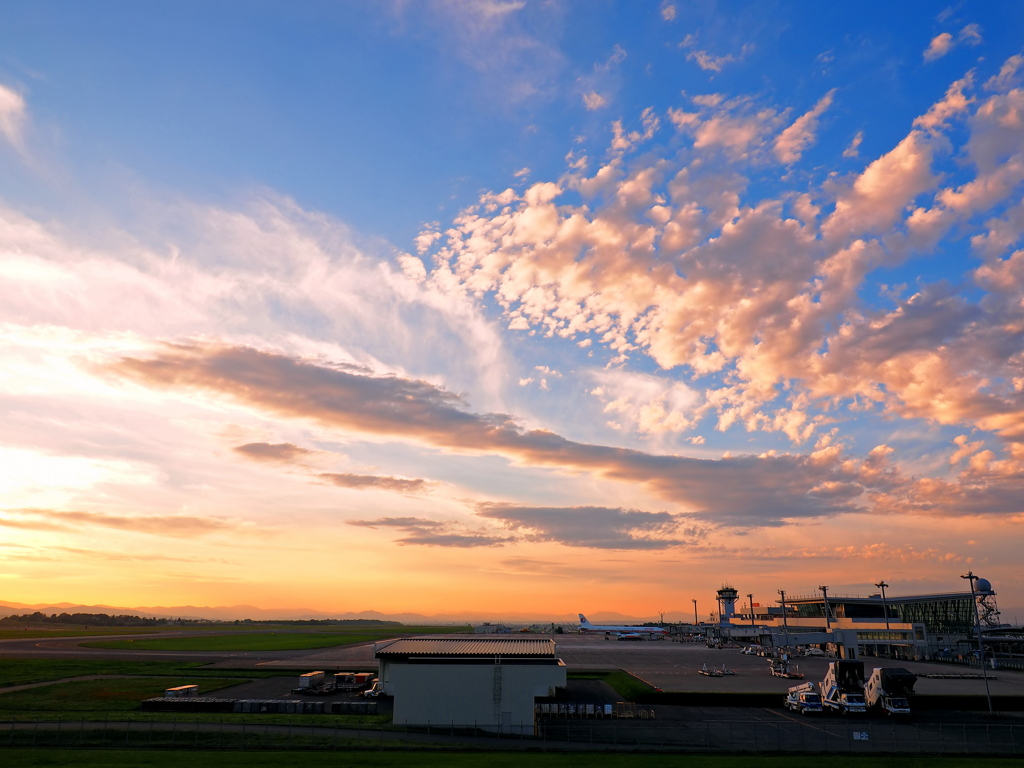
(664, 664)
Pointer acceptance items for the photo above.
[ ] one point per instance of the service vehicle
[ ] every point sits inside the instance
(842, 690)
(803, 698)
(888, 690)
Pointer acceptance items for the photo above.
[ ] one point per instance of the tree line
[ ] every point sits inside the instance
(106, 620)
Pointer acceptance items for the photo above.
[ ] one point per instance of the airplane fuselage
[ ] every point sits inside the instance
(586, 626)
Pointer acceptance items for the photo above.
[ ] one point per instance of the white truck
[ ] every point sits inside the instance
(803, 698)
(842, 690)
(888, 689)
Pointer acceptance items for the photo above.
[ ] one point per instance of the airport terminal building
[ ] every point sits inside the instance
(904, 627)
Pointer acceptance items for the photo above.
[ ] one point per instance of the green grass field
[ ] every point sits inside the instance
(117, 695)
(32, 634)
(286, 639)
(24, 671)
(627, 686)
(28, 758)
(262, 641)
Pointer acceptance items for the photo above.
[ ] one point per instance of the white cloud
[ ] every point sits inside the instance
(954, 103)
(593, 100)
(971, 34)
(940, 45)
(944, 42)
(648, 404)
(675, 265)
(853, 150)
(1007, 76)
(709, 62)
(13, 114)
(791, 143)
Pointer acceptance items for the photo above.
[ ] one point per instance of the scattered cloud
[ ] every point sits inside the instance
(940, 45)
(432, 533)
(592, 527)
(376, 482)
(288, 453)
(791, 143)
(285, 453)
(13, 114)
(745, 490)
(177, 526)
(945, 42)
(853, 150)
(593, 100)
(648, 404)
(709, 62)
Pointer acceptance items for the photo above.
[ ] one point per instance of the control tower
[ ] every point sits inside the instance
(727, 597)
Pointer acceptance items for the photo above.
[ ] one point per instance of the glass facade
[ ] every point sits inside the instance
(941, 614)
(953, 615)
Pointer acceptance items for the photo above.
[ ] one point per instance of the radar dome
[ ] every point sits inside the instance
(982, 585)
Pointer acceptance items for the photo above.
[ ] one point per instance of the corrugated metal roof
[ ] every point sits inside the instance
(464, 647)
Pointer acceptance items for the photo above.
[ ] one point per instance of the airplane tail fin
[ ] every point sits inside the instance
(583, 619)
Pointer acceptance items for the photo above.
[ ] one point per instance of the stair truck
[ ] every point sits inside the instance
(842, 690)
(888, 689)
(803, 698)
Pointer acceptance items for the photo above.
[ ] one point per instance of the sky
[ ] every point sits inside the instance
(509, 307)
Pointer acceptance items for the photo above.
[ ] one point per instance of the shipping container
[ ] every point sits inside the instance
(311, 679)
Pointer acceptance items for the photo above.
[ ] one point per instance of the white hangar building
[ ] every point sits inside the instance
(491, 683)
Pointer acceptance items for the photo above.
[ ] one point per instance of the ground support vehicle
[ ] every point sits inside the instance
(888, 688)
(842, 690)
(803, 698)
(712, 672)
(782, 668)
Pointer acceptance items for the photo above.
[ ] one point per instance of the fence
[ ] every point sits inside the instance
(816, 736)
(739, 736)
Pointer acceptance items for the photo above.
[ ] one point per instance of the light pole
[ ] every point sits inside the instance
(981, 648)
(828, 624)
(882, 585)
(751, 599)
(694, 599)
(785, 626)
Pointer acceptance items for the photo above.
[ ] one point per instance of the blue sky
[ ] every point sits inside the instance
(487, 290)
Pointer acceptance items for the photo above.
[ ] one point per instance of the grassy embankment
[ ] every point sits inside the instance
(625, 684)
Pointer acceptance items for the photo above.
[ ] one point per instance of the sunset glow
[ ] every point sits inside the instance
(480, 308)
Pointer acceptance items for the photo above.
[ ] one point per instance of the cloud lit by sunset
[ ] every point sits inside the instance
(478, 308)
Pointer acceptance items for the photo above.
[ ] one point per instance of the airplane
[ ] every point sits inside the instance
(633, 633)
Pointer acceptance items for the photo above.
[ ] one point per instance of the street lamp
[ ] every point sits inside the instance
(785, 626)
(981, 648)
(882, 585)
(694, 599)
(751, 599)
(828, 624)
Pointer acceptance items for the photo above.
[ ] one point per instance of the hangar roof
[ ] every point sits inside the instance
(466, 648)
